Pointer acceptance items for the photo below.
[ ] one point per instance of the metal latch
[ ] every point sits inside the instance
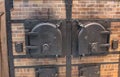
(115, 44)
(45, 48)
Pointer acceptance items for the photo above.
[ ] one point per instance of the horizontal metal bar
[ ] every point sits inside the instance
(90, 64)
(82, 64)
(107, 19)
(38, 66)
(22, 21)
(100, 54)
(54, 56)
(41, 20)
(17, 21)
(28, 56)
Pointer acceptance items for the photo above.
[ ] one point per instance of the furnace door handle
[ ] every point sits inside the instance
(31, 47)
(105, 32)
(104, 45)
(32, 33)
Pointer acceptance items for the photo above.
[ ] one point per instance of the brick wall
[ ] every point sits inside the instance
(55, 9)
(39, 9)
(96, 9)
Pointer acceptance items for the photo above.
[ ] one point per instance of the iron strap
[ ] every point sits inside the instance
(82, 64)
(9, 37)
(69, 36)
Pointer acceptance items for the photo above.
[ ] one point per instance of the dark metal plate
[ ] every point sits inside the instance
(46, 72)
(89, 71)
(48, 40)
(91, 39)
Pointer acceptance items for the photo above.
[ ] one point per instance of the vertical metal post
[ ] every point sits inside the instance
(68, 35)
(11, 3)
(9, 36)
(68, 9)
(68, 53)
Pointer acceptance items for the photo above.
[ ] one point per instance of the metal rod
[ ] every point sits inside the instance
(82, 64)
(9, 37)
(31, 47)
(68, 4)
(32, 33)
(105, 32)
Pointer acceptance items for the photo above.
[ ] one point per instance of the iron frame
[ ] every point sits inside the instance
(9, 5)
